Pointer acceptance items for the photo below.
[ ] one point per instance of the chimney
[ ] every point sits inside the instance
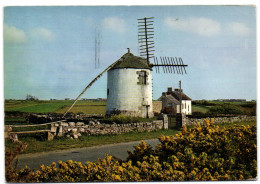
(177, 89)
(163, 94)
(169, 90)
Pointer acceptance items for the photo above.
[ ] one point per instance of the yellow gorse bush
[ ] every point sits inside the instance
(202, 153)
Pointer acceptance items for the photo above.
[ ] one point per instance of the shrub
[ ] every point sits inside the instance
(202, 153)
(123, 119)
(225, 109)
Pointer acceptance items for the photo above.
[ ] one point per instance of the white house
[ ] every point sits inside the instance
(129, 87)
(171, 102)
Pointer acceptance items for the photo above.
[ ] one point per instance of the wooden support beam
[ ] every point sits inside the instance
(29, 132)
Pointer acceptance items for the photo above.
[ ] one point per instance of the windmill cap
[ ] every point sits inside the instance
(128, 60)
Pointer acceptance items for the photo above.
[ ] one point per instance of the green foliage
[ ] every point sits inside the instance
(202, 153)
(123, 119)
(225, 109)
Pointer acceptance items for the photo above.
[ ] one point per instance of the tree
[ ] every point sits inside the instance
(31, 98)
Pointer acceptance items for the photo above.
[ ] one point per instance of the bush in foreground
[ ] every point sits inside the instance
(202, 153)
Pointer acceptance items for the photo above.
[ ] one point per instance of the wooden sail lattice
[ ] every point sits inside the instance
(146, 47)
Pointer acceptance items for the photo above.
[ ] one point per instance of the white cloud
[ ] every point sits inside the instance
(238, 29)
(41, 33)
(201, 26)
(14, 35)
(114, 23)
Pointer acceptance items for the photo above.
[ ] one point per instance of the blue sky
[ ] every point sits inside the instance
(49, 51)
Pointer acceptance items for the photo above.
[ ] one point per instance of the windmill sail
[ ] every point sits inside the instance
(146, 48)
(169, 65)
(145, 37)
(88, 86)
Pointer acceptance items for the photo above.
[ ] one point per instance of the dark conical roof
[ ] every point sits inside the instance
(129, 60)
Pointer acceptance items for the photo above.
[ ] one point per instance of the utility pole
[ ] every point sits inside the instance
(180, 97)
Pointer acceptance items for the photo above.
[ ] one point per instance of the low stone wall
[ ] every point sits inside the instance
(193, 121)
(45, 118)
(75, 129)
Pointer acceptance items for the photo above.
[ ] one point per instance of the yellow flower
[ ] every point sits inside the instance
(161, 138)
(116, 177)
(167, 139)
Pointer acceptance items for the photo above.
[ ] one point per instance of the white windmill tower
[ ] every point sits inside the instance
(129, 87)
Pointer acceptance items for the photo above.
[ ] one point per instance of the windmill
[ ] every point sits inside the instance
(129, 85)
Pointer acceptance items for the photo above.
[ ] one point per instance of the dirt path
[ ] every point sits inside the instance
(119, 150)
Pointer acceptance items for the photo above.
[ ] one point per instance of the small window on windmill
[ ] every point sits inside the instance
(142, 77)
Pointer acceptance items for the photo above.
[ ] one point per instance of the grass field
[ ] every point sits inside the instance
(84, 108)
(202, 106)
(57, 106)
(91, 107)
(197, 108)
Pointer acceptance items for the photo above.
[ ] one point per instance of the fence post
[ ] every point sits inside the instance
(7, 130)
(164, 117)
(50, 136)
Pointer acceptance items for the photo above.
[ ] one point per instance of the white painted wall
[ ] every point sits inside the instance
(186, 107)
(128, 96)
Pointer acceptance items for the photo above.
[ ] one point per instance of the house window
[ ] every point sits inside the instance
(169, 104)
(142, 77)
(107, 91)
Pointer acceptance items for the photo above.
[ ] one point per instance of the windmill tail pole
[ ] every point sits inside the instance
(88, 86)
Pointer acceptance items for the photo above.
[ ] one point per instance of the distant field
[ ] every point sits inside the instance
(57, 106)
(233, 103)
(248, 107)
(197, 108)
(84, 108)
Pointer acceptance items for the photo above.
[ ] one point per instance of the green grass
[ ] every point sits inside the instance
(198, 108)
(15, 121)
(233, 103)
(86, 109)
(57, 106)
(41, 145)
(36, 107)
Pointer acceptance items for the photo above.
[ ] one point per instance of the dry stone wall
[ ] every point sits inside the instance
(193, 121)
(76, 129)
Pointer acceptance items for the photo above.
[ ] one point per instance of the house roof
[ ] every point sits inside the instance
(176, 94)
(172, 99)
(129, 60)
